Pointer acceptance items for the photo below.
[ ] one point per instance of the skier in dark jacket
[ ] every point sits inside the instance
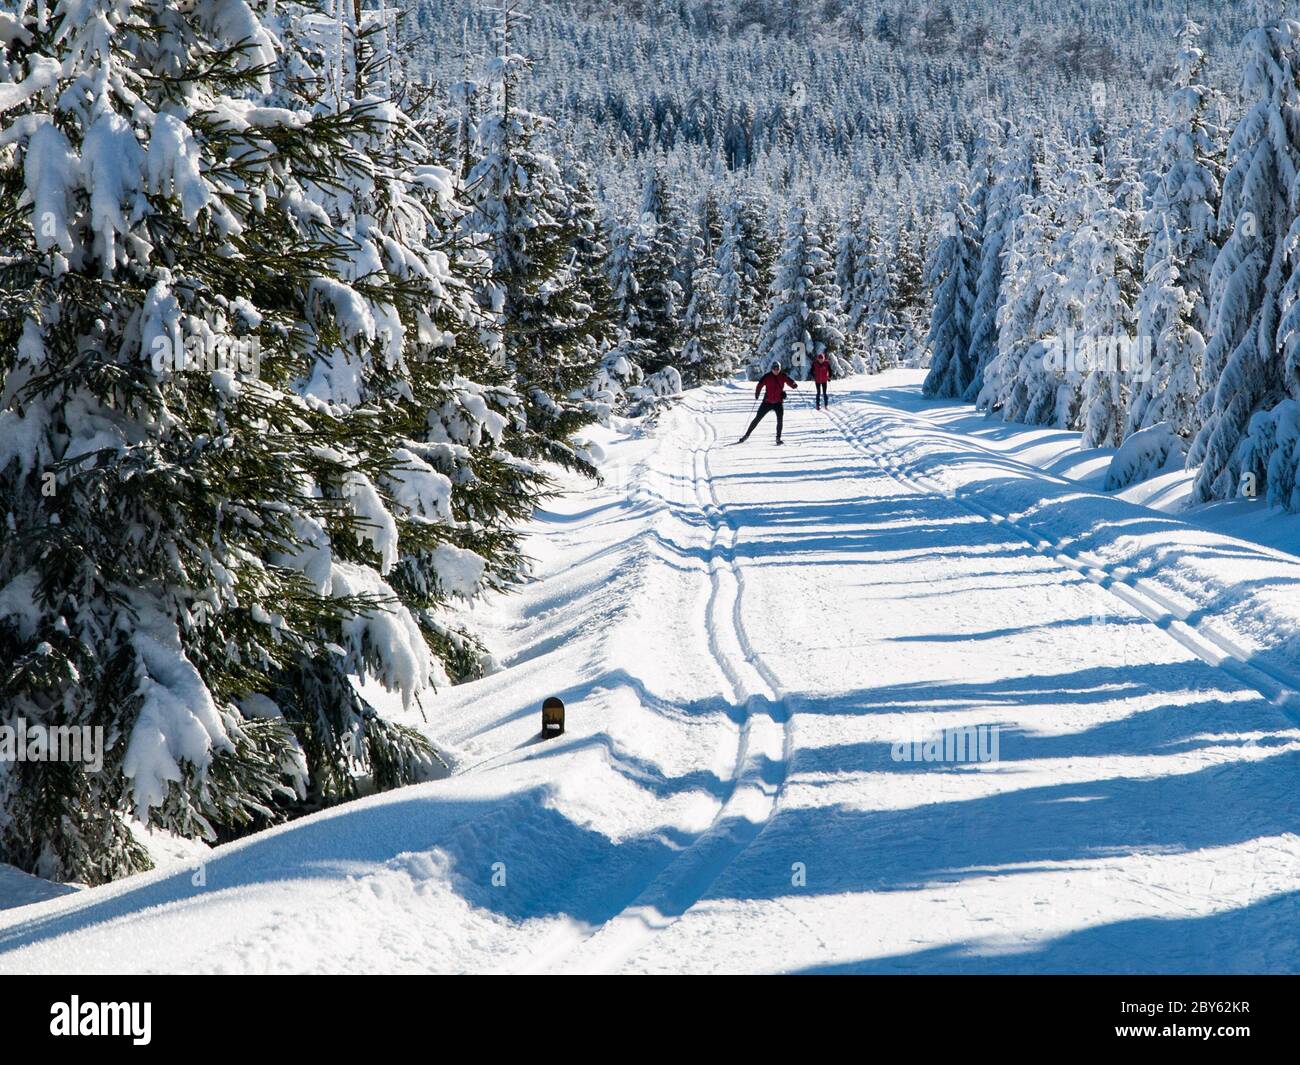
(772, 385)
(821, 375)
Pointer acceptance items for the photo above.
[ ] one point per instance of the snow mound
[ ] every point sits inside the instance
(1146, 454)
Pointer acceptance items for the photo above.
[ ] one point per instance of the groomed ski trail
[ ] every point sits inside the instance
(763, 751)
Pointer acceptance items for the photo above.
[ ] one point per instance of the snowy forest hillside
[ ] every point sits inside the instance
(789, 87)
(1104, 210)
(1102, 202)
(303, 305)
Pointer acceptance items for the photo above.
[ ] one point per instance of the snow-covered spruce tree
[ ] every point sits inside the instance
(625, 248)
(1105, 252)
(1026, 251)
(451, 423)
(1270, 452)
(951, 276)
(619, 374)
(1076, 269)
(709, 225)
(1023, 382)
(620, 368)
(803, 320)
(658, 275)
(850, 273)
(456, 132)
(707, 338)
(1243, 370)
(1009, 178)
(706, 352)
(853, 278)
(1182, 229)
(745, 259)
(907, 285)
(875, 318)
(549, 339)
(590, 243)
(692, 249)
(183, 529)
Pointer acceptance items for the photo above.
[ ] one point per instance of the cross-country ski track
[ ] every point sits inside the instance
(747, 638)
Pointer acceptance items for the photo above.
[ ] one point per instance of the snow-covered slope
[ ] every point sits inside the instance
(21, 889)
(745, 637)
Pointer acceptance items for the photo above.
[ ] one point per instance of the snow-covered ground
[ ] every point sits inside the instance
(745, 637)
(21, 889)
(1057, 452)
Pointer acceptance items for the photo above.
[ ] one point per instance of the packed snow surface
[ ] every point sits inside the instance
(753, 644)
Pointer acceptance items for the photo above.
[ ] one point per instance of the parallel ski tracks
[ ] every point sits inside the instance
(1278, 687)
(763, 753)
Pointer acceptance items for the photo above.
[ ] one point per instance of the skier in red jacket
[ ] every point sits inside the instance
(821, 375)
(772, 384)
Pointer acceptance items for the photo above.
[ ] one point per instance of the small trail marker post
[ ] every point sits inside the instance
(552, 717)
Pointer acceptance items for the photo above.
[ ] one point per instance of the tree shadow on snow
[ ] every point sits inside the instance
(1263, 937)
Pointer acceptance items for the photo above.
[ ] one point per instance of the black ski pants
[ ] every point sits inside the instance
(762, 413)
